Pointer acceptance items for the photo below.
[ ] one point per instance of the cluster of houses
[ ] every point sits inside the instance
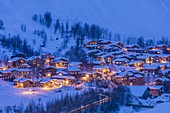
(123, 65)
(39, 71)
(133, 66)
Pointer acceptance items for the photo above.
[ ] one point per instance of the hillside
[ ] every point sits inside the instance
(129, 18)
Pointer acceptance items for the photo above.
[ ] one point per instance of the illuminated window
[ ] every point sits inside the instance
(48, 75)
(131, 83)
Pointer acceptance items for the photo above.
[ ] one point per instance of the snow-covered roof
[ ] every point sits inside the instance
(16, 79)
(156, 87)
(106, 55)
(138, 75)
(15, 59)
(63, 72)
(100, 67)
(5, 71)
(24, 80)
(138, 90)
(36, 79)
(120, 60)
(75, 63)
(20, 69)
(153, 66)
(122, 74)
(97, 62)
(143, 57)
(33, 57)
(135, 61)
(44, 80)
(73, 68)
(46, 67)
(162, 79)
(63, 77)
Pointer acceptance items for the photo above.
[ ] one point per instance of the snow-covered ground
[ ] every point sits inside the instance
(160, 108)
(10, 96)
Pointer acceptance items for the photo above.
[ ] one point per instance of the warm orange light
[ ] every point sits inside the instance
(131, 84)
(21, 84)
(48, 75)
(87, 75)
(67, 82)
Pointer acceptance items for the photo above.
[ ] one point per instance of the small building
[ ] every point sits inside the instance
(78, 64)
(18, 62)
(104, 42)
(62, 73)
(146, 58)
(164, 58)
(120, 44)
(24, 82)
(74, 71)
(60, 62)
(20, 72)
(128, 78)
(6, 75)
(151, 68)
(140, 91)
(46, 59)
(162, 46)
(92, 42)
(64, 80)
(48, 71)
(121, 61)
(107, 58)
(157, 51)
(165, 82)
(34, 61)
(132, 47)
(136, 63)
(46, 82)
(101, 69)
(155, 91)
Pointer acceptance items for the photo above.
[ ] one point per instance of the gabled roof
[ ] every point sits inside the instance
(122, 74)
(153, 66)
(135, 61)
(45, 80)
(20, 69)
(138, 90)
(59, 59)
(15, 59)
(100, 67)
(63, 77)
(121, 59)
(156, 87)
(73, 68)
(143, 57)
(75, 63)
(63, 72)
(5, 71)
(46, 67)
(162, 79)
(33, 57)
(24, 80)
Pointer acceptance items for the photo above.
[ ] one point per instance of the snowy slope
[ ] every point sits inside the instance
(161, 108)
(128, 17)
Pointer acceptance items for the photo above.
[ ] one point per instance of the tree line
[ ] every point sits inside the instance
(17, 45)
(75, 30)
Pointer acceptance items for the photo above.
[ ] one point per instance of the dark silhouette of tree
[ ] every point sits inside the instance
(48, 19)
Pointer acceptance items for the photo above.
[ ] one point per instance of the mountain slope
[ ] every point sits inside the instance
(127, 17)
